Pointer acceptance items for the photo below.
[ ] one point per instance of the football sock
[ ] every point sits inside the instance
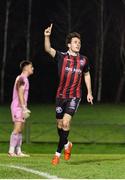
(20, 140)
(62, 140)
(60, 147)
(59, 131)
(13, 142)
(18, 148)
(58, 154)
(66, 145)
(65, 134)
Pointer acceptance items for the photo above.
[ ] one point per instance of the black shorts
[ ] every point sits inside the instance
(68, 106)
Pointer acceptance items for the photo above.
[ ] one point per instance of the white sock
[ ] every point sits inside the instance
(58, 154)
(11, 149)
(66, 145)
(18, 149)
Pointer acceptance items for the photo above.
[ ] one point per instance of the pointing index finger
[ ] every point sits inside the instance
(51, 26)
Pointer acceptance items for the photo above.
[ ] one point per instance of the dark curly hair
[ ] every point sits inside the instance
(72, 35)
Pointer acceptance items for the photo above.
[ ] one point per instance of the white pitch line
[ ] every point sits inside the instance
(43, 174)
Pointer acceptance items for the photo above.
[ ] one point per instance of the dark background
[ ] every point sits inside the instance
(84, 19)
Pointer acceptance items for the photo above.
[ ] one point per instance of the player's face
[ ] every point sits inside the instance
(30, 69)
(75, 45)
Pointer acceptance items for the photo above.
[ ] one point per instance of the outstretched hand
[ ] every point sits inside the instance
(48, 30)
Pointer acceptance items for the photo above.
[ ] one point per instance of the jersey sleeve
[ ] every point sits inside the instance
(58, 56)
(86, 66)
(20, 82)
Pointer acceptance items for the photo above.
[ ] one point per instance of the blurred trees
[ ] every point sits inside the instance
(12, 36)
(121, 40)
(101, 25)
(2, 84)
(28, 38)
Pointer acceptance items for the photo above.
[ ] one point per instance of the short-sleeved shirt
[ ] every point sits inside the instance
(16, 109)
(15, 98)
(70, 70)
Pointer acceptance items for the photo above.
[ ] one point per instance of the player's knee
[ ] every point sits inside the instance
(59, 123)
(59, 126)
(17, 130)
(66, 125)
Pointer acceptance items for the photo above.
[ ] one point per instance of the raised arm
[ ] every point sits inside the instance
(47, 43)
(87, 78)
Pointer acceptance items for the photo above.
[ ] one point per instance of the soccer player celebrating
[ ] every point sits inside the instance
(71, 67)
(19, 109)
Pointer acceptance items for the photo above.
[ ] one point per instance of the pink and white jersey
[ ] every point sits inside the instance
(15, 99)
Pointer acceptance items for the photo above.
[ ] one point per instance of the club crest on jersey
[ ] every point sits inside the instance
(59, 109)
(82, 62)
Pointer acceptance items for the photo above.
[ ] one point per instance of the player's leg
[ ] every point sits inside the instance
(70, 110)
(15, 137)
(63, 126)
(65, 131)
(60, 105)
(59, 117)
(65, 110)
(59, 128)
(19, 144)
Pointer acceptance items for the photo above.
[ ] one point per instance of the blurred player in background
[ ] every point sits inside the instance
(72, 66)
(19, 109)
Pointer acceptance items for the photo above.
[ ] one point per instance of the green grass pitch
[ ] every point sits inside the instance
(85, 166)
(97, 133)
